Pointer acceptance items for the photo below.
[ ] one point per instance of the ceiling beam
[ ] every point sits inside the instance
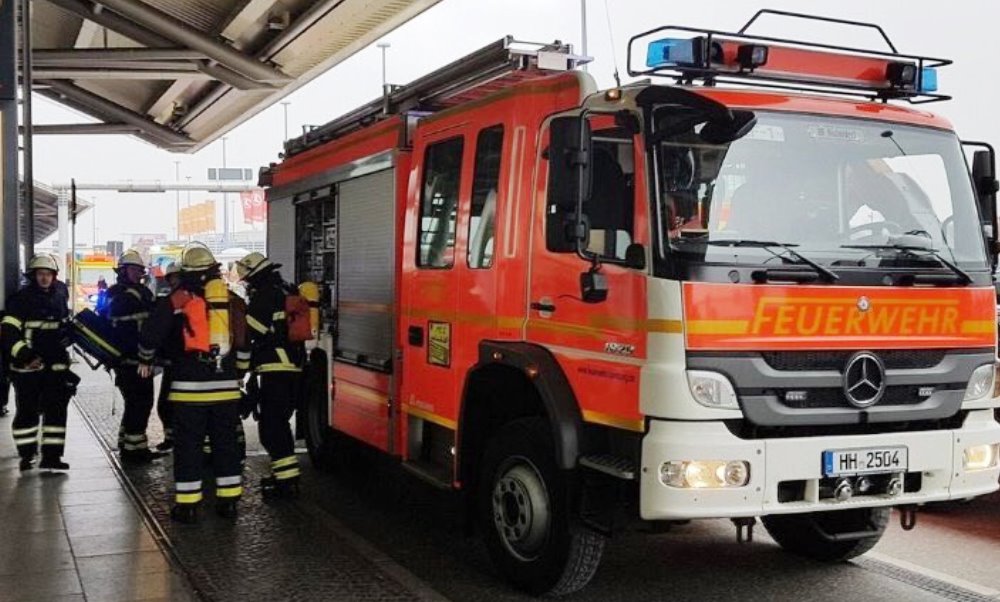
(117, 113)
(73, 129)
(86, 10)
(118, 74)
(181, 33)
(87, 55)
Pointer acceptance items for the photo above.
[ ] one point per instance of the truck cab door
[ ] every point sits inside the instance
(599, 345)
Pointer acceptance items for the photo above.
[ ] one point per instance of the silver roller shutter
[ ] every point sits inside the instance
(365, 267)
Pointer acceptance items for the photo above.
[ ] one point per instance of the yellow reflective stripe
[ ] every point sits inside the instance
(59, 367)
(278, 315)
(12, 321)
(188, 498)
(242, 364)
(204, 396)
(256, 325)
(136, 317)
(18, 346)
(25, 440)
(288, 474)
(28, 431)
(42, 324)
(282, 355)
(53, 429)
(134, 293)
(276, 367)
(53, 441)
(289, 461)
(93, 336)
(226, 492)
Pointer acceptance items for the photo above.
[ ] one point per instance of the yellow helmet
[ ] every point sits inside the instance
(197, 258)
(131, 257)
(252, 264)
(43, 261)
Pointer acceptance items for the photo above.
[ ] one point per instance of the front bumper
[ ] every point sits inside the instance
(935, 455)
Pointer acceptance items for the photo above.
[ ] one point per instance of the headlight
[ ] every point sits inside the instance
(981, 457)
(980, 384)
(712, 390)
(705, 474)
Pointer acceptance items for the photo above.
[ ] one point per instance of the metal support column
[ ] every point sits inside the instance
(62, 219)
(27, 137)
(8, 151)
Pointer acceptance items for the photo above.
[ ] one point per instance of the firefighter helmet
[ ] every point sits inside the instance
(197, 258)
(172, 268)
(253, 264)
(130, 257)
(43, 261)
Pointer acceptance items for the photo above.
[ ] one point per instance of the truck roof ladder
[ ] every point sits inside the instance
(496, 66)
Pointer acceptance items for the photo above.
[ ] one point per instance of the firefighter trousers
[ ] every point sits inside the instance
(192, 422)
(278, 391)
(165, 408)
(138, 395)
(40, 397)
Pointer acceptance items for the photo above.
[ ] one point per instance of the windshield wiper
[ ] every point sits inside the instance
(914, 249)
(824, 273)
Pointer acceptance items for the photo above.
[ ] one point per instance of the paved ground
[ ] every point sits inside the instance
(372, 532)
(76, 535)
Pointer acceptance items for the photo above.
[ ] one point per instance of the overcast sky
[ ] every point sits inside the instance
(965, 32)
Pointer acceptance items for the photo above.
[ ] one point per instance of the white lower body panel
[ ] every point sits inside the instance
(935, 454)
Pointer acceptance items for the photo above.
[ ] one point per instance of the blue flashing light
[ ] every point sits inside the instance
(928, 80)
(673, 52)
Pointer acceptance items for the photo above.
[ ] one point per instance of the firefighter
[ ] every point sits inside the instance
(172, 276)
(278, 364)
(208, 325)
(34, 342)
(129, 305)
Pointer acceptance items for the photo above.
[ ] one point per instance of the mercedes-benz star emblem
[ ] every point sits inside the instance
(864, 303)
(864, 380)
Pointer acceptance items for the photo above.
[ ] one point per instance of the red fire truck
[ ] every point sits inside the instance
(757, 284)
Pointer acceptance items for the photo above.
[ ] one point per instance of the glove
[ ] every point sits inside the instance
(72, 382)
(248, 406)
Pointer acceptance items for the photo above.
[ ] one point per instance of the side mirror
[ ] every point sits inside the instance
(593, 287)
(569, 162)
(635, 256)
(984, 179)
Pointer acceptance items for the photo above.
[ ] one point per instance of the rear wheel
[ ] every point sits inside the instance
(319, 435)
(829, 536)
(524, 514)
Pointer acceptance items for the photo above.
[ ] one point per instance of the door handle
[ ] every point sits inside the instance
(542, 306)
(415, 336)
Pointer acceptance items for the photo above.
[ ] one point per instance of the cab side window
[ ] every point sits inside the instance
(610, 209)
(439, 203)
(486, 179)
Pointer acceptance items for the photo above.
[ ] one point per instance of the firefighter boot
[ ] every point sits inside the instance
(165, 446)
(27, 463)
(274, 488)
(226, 508)
(53, 463)
(184, 513)
(269, 487)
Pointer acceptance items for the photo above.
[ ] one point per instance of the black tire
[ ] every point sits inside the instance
(802, 534)
(319, 436)
(524, 513)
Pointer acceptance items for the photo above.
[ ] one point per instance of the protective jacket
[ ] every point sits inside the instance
(267, 326)
(35, 327)
(129, 305)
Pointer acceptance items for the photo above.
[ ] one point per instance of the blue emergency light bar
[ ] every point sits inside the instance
(715, 56)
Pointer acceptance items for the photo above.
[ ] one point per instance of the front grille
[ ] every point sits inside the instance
(744, 429)
(902, 395)
(894, 359)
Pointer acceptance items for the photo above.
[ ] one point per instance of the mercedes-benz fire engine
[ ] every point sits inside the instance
(756, 285)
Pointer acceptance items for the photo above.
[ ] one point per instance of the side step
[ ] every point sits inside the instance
(429, 473)
(615, 466)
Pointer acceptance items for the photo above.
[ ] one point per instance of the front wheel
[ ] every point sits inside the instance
(829, 536)
(524, 514)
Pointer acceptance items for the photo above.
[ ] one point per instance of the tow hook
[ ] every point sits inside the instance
(907, 517)
(744, 529)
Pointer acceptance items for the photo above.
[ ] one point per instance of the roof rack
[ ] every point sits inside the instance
(496, 66)
(715, 61)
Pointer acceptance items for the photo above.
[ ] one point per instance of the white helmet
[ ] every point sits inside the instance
(43, 261)
(253, 264)
(131, 257)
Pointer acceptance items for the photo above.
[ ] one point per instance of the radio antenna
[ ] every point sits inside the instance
(611, 36)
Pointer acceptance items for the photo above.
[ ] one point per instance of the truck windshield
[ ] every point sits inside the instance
(844, 193)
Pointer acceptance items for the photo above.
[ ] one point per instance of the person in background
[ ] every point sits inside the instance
(172, 276)
(34, 343)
